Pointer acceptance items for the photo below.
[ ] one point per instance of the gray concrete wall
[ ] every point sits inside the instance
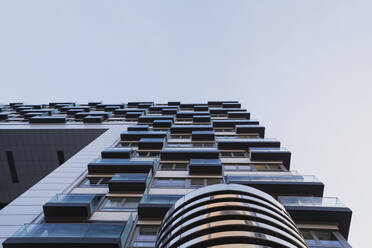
(35, 154)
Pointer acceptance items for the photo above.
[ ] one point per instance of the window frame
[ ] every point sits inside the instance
(102, 207)
(188, 182)
(136, 234)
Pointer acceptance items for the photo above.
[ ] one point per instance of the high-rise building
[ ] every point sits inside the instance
(141, 174)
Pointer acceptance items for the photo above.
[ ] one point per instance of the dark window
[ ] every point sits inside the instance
(179, 145)
(173, 166)
(254, 167)
(184, 182)
(144, 236)
(169, 183)
(95, 181)
(147, 154)
(233, 154)
(323, 238)
(179, 136)
(12, 168)
(120, 203)
(61, 157)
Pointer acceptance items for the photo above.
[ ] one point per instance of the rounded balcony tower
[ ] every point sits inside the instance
(228, 215)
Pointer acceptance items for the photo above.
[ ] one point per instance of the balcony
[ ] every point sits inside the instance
(72, 112)
(202, 136)
(62, 235)
(155, 206)
(162, 123)
(233, 123)
(111, 108)
(205, 166)
(151, 143)
(93, 119)
(190, 115)
(317, 210)
(122, 165)
(169, 111)
(182, 129)
(63, 206)
(245, 144)
(174, 103)
(47, 119)
(139, 128)
(201, 119)
(149, 119)
(92, 104)
(189, 153)
(137, 135)
(55, 104)
(81, 115)
(281, 184)
(4, 116)
(124, 111)
(161, 108)
(271, 154)
(224, 111)
(201, 108)
(133, 115)
(116, 152)
(129, 183)
(239, 115)
(250, 129)
(30, 115)
(102, 106)
(47, 111)
(81, 108)
(231, 105)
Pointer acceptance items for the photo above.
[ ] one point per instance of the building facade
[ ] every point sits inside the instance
(141, 174)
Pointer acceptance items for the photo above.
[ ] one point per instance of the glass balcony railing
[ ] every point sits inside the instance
(140, 177)
(269, 149)
(272, 178)
(69, 230)
(159, 199)
(311, 201)
(65, 199)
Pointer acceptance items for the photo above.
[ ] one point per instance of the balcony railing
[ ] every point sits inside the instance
(70, 235)
(311, 201)
(271, 178)
(159, 199)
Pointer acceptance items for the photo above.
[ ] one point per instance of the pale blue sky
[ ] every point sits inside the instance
(303, 68)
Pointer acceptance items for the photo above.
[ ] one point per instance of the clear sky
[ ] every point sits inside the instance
(303, 68)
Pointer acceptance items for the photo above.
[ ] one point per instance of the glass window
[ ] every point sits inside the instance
(229, 167)
(308, 237)
(180, 166)
(211, 181)
(246, 167)
(225, 154)
(274, 167)
(145, 236)
(197, 182)
(95, 181)
(169, 183)
(260, 167)
(321, 238)
(148, 154)
(238, 154)
(173, 166)
(233, 154)
(327, 238)
(203, 144)
(120, 203)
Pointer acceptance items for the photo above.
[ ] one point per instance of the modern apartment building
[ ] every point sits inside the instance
(142, 174)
